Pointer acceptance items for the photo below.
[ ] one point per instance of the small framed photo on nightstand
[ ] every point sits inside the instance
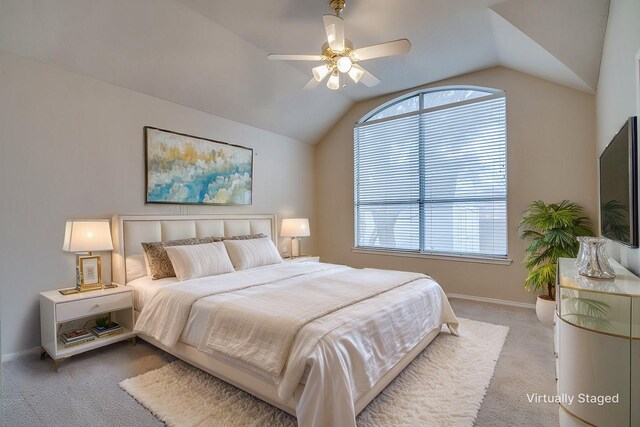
(90, 267)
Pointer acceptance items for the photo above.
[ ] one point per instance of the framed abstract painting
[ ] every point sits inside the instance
(185, 169)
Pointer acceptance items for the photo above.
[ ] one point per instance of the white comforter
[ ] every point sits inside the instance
(259, 326)
(345, 352)
(166, 314)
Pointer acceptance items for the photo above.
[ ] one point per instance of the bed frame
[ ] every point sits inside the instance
(131, 230)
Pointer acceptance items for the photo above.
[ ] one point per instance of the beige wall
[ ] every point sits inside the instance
(618, 86)
(72, 147)
(551, 147)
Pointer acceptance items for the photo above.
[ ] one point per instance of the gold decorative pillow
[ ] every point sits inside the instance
(245, 237)
(159, 263)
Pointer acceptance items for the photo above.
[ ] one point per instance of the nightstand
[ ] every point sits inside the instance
(62, 313)
(303, 258)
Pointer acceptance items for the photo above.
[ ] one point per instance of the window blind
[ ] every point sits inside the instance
(434, 181)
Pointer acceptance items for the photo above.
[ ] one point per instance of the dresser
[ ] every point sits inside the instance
(597, 347)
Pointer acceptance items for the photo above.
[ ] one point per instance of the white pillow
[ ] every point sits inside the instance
(135, 267)
(252, 253)
(146, 265)
(193, 261)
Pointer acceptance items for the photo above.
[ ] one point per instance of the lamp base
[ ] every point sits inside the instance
(295, 247)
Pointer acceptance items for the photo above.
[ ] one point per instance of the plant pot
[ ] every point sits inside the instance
(544, 310)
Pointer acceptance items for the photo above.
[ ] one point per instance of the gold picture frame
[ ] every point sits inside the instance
(89, 271)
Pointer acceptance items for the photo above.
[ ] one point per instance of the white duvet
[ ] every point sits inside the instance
(344, 351)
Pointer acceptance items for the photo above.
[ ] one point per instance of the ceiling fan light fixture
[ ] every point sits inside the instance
(320, 72)
(339, 56)
(344, 64)
(355, 74)
(334, 81)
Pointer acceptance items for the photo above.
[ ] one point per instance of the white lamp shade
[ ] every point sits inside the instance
(344, 64)
(320, 72)
(295, 227)
(87, 236)
(334, 81)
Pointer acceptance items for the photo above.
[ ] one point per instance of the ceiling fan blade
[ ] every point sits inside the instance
(367, 78)
(312, 84)
(296, 57)
(334, 26)
(396, 47)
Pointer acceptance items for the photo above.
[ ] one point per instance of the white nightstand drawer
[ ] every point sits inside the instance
(87, 307)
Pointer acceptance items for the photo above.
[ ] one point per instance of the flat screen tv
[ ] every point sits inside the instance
(619, 186)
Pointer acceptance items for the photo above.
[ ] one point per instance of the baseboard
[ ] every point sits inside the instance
(11, 356)
(493, 301)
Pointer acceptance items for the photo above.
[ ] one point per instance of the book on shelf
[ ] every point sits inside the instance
(66, 341)
(110, 325)
(108, 329)
(75, 335)
(78, 342)
(110, 333)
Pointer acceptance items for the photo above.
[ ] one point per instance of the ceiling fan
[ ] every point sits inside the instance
(340, 57)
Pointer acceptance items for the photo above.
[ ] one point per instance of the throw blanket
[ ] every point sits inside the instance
(165, 316)
(343, 355)
(259, 326)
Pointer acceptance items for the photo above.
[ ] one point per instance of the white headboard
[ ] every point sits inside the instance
(129, 231)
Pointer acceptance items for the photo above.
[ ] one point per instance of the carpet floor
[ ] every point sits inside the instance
(85, 391)
(443, 386)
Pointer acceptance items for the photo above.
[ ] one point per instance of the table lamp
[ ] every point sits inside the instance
(83, 237)
(295, 228)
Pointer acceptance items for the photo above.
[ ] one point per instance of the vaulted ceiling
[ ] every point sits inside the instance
(212, 55)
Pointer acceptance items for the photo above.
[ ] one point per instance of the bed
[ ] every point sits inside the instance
(325, 369)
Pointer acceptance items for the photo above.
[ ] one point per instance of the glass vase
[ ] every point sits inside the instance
(592, 260)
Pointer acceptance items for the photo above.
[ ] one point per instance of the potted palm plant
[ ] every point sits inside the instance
(550, 231)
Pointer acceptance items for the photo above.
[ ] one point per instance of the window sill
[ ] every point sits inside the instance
(459, 258)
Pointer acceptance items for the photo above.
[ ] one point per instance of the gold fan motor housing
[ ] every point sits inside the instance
(332, 56)
(337, 6)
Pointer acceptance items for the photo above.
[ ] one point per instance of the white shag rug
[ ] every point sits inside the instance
(443, 386)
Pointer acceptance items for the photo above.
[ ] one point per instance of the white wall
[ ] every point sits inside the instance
(72, 147)
(550, 145)
(167, 49)
(619, 83)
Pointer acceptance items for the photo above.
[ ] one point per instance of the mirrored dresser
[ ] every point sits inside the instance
(597, 345)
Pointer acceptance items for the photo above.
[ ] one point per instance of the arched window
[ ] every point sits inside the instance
(430, 174)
